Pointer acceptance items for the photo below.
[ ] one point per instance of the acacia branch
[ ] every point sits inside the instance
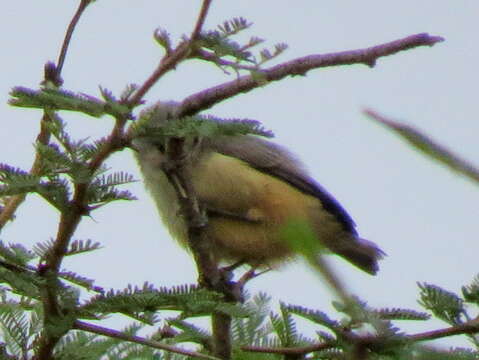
(167, 63)
(201, 20)
(69, 33)
(171, 59)
(470, 327)
(69, 221)
(52, 73)
(300, 66)
(289, 351)
(95, 329)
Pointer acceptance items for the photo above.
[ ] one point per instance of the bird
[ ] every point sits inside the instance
(251, 189)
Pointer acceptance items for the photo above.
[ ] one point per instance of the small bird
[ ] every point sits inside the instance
(251, 189)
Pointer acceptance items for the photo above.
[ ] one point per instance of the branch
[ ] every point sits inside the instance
(167, 63)
(470, 327)
(173, 58)
(290, 351)
(201, 20)
(69, 221)
(95, 329)
(53, 74)
(211, 57)
(428, 146)
(68, 35)
(300, 66)
(221, 328)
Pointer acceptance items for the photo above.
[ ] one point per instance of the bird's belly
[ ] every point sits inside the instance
(256, 244)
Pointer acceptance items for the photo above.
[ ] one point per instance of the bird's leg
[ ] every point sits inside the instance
(230, 268)
(251, 274)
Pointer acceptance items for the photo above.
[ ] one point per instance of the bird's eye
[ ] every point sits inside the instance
(160, 146)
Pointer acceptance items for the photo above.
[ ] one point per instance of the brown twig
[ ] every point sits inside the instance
(173, 58)
(470, 327)
(95, 329)
(69, 221)
(51, 73)
(289, 351)
(201, 20)
(168, 63)
(15, 201)
(300, 66)
(211, 57)
(69, 33)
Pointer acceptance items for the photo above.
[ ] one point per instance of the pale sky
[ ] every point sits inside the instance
(422, 215)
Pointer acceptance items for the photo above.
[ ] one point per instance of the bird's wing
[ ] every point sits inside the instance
(276, 161)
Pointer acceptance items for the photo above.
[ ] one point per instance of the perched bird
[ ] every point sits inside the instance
(251, 189)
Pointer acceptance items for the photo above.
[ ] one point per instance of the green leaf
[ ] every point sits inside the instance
(401, 314)
(222, 46)
(152, 125)
(16, 181)
(82, 246)
(16, 254)
(163, 38)
(285, 327)
(54, 99)
(444, 304)
(190, 332)
(80, 281)
(429, 147)
(266, 55)
(103, 188)
(234, 26)
(56, 192)
(43, 249)
(253, 329)
(21, 281)
(315, 316)
(300, 237)
(471, 292)
(14, 327)
(135, 301)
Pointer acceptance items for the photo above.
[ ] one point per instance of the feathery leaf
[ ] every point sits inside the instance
(444, 304)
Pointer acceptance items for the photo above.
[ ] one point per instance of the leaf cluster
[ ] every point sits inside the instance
(58, 99)
(218, 47)
(65, 163)
(450, 307)
(151, 126)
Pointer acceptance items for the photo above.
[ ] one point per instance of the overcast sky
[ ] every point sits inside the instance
(423, 216)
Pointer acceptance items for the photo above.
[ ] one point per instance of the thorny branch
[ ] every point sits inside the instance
(95, 329)
(173, 58)
(201, 20)
(53, 75)
(300, 66)
(470, 327)
(69, 33)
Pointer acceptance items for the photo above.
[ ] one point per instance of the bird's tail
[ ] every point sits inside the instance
(362, 253)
